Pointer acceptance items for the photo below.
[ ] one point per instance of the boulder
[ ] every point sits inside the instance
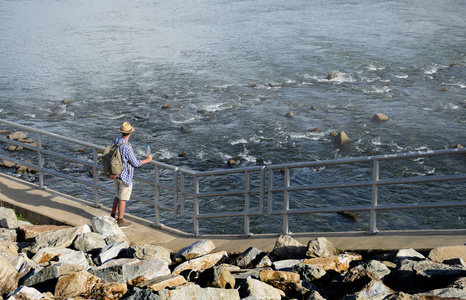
(320, 247)
(18, 135)
(259, 290)
(308, 272)
(8, 218)
(106, 226)
(145, 252)
(285, 264)
(8, 235)
(108, 290)
(338, 263)
(342, 139)
(161, 282)
(201, 263)
(196, 292)
(441, 254)
(409, 254)
(9, 277)
(279, 279)
(22, 264)
(289, 115)
(288, 248)
(331, 76)
(111, 251)
(8, 249)
(89, 242)
(376, 268)
(26, 293)
(62, 255)
(196, 249)
(77, 284)
(62, 238)
(138, 293)
(217, 277)
(42, 277)
(379, 117)
(250, 258)
(27, 232)
(120, 273)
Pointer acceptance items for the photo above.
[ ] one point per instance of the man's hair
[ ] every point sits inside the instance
(125, 134)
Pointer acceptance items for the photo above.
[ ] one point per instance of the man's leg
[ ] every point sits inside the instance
(116, 201)
(121, 209)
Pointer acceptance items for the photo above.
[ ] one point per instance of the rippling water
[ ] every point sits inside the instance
(231, 70)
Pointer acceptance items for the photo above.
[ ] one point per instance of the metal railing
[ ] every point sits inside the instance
(187, 190)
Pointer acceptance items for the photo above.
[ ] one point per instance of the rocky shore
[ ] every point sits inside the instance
(96, 261)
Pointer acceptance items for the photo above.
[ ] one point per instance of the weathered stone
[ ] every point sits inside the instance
(320, 247)
(279, 279)
(254, 288)
(106, 226)
(25, 293)
(152, 268)
(196, 292)
(308, 272)
(118, 273)
(342, 139)
(28, 232)
(8, 249)
(331, 76)
(250, 258)
(441, 254)
(89, 242)
(138, 294)
(264, 262)
(77, 284)
(108, 290)
(145, 252)
(245, 273)
(51, 272)
(409, 254)
(8, 218)
(18, 135)
(337, 263)
(196, 249)
(111, 251)
(289, 115)
(380, 117)
(8, 163)
(285, 264)
(217, 277)
(378, 269)
(9, 277)
(22, 264)
(159, 283)
(455, 262)
(446, 293)
(288, 248)
(201, 263)
(62, 255)
(62, 238)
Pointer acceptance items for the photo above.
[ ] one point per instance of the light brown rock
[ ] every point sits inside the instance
(161, 282)
(445, 253)
(201, 263)
(279, 279)
(337, 263)
(76, 284)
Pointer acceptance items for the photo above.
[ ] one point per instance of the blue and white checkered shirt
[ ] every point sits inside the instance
(128, 160)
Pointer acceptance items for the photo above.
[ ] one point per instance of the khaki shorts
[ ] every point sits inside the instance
(123, 191)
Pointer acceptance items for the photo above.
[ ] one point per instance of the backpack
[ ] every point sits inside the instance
(111, 160)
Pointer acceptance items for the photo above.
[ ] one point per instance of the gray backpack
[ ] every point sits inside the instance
(111, 161)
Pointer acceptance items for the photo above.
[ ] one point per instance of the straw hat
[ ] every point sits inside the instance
(126, 128)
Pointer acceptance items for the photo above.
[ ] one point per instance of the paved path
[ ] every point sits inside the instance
(46, 206)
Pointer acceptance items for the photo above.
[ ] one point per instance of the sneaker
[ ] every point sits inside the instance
(121, 223)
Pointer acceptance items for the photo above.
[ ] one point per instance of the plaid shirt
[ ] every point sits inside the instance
(129, 161)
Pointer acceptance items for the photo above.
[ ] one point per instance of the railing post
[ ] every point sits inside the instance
(262, 190)
(196, 205)
(181, 192)
(375, 178)
(269, 193)
(286, 200)
(96, 177)
(40, 161)
(246, 202)
(176, 189)
(157, 196)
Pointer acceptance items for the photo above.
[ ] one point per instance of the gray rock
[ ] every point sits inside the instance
(380, 117)
(285, 264)
(9, 277)
(320, 247)
(308, 272)
(288, 248)
(245, 273)
(250, 258)
(118, 273)
(111, 251)
(378, 269)
(201, 263)
(254, 288)
(152, 268)
(61, 238)
(8, 249)
(25, 292)
(106, 226)
(62, 255)
(446, 293)
(49, 273)
(196, 249)
(342, 139)
(145, 252)
(22, 264)
(8, 218)
(140, 294)
(196, 292)
(217, 277)
(89, 242)
(409, 254)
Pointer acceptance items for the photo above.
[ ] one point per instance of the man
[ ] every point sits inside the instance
(124, 182)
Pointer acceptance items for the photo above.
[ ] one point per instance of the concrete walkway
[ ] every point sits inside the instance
(51, 207)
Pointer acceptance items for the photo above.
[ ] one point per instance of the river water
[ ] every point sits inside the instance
(229, 71)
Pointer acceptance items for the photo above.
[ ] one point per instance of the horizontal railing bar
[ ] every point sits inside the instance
(422, 179)
(228, 193)
(321, 210)
(225, 215)
(220, 171)
(142, 200)
(419, 206)
(322, 186)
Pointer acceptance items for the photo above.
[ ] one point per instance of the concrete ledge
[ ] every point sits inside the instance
(51, 207)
